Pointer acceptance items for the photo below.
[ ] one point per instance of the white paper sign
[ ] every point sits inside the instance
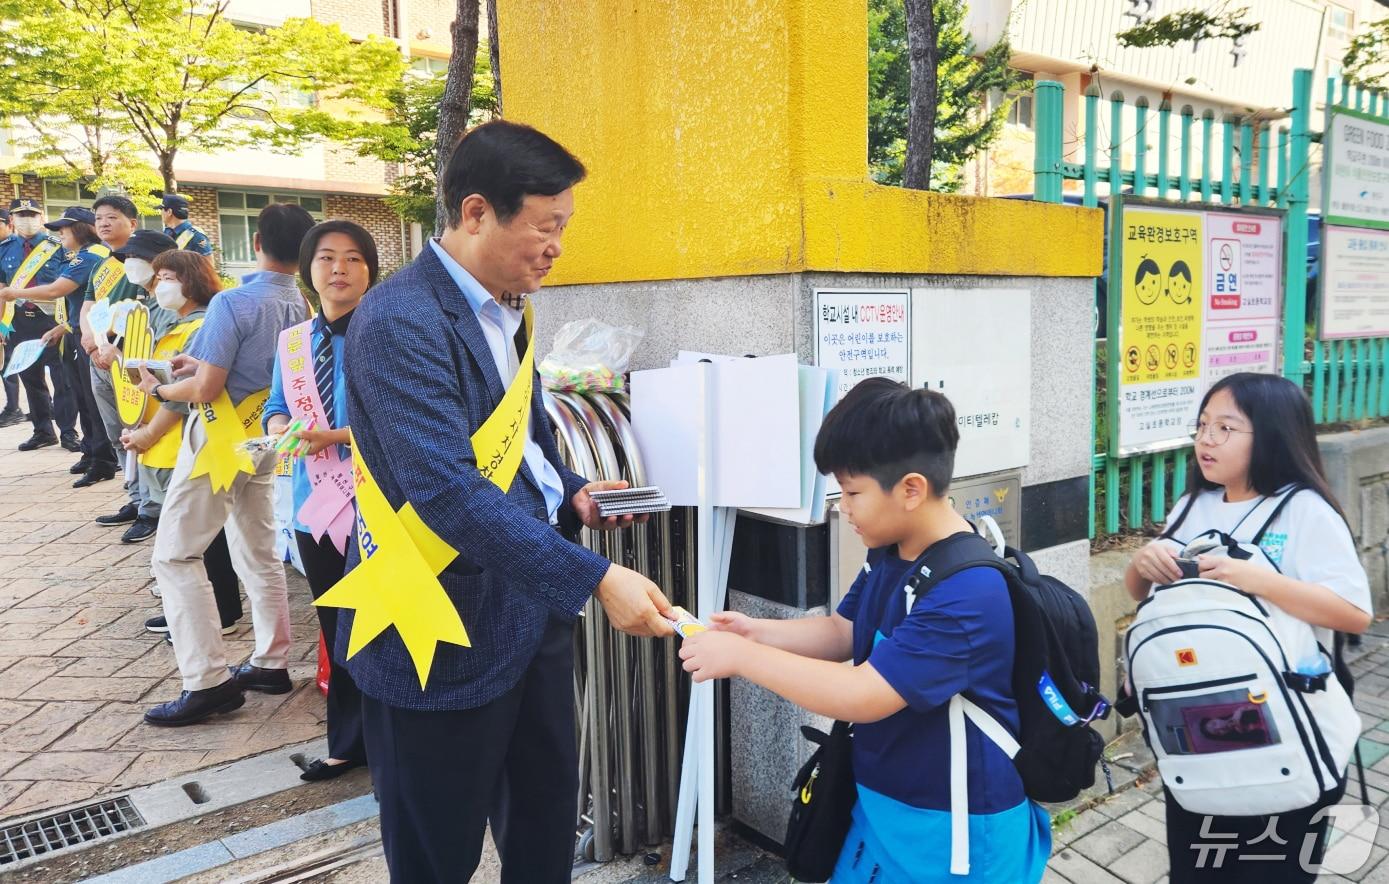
(99, 318)
(1354, 283)
(1357, 170)
(975, 346)
(863, 334)
(25, 354)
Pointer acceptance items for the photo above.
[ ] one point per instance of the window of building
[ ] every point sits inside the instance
(1339, 22)
(430, 66)
(60, 195)
(1020, 111)
(236, 216)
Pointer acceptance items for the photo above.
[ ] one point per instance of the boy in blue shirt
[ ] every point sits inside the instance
(892, 448)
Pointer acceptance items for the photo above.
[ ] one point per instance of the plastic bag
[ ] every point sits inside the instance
(590, 356)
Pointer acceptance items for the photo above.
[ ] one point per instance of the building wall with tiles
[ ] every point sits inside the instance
(379, 220)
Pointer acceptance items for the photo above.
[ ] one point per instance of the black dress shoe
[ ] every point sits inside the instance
(69, 441)
(193, 706)
(82, 465)
(267, 681)
(142, 529)
(101, 472)
(321, 770)
(122, 516)
(37, 441)
(11, 416)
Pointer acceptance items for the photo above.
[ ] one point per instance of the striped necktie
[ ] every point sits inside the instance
(323, 369)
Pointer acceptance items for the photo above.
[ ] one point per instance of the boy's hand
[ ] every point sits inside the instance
(732, 621)
(712, 654)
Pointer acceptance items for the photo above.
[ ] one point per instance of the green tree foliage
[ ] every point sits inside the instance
(964, 124)
(408, 135)
(1189, 26)
(172, 75)
(1367, 58)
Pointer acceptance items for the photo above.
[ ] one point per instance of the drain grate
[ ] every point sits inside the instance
(68, 828)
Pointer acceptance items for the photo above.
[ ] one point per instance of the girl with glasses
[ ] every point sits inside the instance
(1254, 439)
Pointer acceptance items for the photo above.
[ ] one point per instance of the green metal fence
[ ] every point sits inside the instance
(1243, 162)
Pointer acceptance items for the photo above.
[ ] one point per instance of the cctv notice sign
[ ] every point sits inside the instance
(1200, 295)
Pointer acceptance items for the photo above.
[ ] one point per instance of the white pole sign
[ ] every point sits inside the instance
(862, 334)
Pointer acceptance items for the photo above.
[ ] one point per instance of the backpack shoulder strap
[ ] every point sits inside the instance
(1277, 511)
(1169, 532)
(961, 707)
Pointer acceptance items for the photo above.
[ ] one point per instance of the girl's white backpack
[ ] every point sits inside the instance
(1239, 701)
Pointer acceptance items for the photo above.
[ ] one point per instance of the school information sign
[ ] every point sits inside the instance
(1356, 192)
(1200, 295)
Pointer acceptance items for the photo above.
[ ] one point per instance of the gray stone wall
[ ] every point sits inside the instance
(1357, 467)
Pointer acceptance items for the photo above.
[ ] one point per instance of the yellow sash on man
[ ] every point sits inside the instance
(105, 277)
(22, 277)
(185, 238)
(162, 455)
(220, 458)
(397, 582)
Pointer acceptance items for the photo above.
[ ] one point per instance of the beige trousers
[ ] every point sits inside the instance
(193, 514)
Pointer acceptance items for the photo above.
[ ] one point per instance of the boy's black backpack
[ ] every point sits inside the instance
(1056, 668)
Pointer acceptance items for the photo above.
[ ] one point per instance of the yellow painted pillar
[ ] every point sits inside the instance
(729, 137)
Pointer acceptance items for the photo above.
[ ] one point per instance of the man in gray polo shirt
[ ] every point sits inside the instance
(234, 353)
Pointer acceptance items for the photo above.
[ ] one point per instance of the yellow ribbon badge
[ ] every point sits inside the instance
(397, 582)
(220, 458)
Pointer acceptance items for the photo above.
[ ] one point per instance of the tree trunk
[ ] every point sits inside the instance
(921, 113)
(166, 169)
(494, 52)
(457, 100)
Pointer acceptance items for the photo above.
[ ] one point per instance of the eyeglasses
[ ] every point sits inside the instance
(1219, 434)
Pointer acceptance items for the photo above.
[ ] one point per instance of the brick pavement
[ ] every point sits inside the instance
(1122, 840)
(77, 668)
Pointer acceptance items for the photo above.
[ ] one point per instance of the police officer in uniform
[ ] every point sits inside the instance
(174, 210)
(32, 320)
(12, 413)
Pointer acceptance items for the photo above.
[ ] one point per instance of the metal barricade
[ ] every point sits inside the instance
(628, 695)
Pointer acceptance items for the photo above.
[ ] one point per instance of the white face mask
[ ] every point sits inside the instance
(27, 225)
(138, 271)
(169, 294)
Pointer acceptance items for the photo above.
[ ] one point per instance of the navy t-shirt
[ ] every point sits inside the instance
(957, 639)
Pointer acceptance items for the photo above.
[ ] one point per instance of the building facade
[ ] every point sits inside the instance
(226, 191)
(1074, 42)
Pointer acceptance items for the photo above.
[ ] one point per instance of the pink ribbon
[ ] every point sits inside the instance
(328, 509)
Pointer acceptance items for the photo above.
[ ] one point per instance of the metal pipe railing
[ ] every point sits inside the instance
(628, 694)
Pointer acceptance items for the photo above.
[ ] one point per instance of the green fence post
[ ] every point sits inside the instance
(1227, 159)
(1207, 122)
(1246, 163)
(1184, 177)
(1047, 152)
(1140, 147)
(1282, 168)
(1295, 253)
(1164, 147)
(1265, 140)
(1116, 171)
(1318, 383)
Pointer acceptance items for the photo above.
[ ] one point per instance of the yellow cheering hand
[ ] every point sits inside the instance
(397, 582)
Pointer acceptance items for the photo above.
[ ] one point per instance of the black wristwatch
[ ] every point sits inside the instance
(155, 393)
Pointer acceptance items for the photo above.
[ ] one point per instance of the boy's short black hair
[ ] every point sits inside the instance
(886, 430)
(505, 162)
(122, 204)
(282, 227)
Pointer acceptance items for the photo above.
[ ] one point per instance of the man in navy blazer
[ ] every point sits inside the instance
(432, 350)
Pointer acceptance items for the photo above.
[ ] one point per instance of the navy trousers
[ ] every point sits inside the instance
(442, 777)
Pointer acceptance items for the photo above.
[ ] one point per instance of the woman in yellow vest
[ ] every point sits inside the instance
(184, 285)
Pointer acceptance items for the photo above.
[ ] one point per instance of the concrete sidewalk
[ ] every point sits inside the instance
(78, 669)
